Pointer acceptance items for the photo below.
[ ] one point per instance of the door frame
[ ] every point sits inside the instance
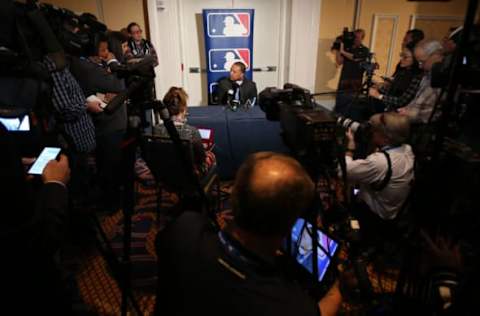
(298, 52)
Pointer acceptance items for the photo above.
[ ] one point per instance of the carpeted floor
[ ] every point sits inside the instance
(97, 287)
(99, 290)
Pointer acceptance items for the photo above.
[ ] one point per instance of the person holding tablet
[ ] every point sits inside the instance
(237, 270)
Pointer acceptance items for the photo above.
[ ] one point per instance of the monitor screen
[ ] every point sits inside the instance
(205, 133)
(17, 124)
(302, 247)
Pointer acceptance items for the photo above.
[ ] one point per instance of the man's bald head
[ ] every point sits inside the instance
(270, 192)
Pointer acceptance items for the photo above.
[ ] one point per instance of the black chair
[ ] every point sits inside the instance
(171, 173)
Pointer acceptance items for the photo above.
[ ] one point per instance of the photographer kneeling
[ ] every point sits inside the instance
(384, 177)
(237, 271)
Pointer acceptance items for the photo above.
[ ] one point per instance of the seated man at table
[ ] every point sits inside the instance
(237, 87)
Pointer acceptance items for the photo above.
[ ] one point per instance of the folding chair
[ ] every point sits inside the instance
(171, 173)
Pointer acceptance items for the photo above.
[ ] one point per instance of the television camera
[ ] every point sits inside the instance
(315, 137)
(347, 38)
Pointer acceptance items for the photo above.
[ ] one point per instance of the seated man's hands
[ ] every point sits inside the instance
(57, 171)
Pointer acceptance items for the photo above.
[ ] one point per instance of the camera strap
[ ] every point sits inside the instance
(379, 186)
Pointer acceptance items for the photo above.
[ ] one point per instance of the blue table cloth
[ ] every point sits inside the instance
(237, 134)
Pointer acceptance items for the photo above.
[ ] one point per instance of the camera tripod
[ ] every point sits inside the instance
(362, 106)
(140, 96)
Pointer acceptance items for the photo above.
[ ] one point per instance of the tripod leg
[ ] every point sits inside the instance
(128, 208)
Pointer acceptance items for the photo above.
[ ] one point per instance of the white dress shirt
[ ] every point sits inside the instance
(385, 203)
(237, 92)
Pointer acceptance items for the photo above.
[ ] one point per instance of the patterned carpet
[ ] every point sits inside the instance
(99, 290)
(97, 287)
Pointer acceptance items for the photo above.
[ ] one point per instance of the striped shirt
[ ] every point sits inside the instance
(69, 104)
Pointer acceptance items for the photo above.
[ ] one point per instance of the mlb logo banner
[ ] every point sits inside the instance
(222, 59)
(228, 39)
(228, 24)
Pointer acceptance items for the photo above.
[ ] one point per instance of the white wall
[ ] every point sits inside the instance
(299, 49)
(165, 34)
(304, 29)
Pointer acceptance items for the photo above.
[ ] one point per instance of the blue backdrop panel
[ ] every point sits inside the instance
(228, 39)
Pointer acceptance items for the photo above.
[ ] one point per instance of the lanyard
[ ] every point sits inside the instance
(231, 249)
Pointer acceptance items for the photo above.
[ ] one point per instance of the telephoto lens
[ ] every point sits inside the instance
(348, 123)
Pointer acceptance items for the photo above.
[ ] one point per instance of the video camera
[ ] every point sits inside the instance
(313, 134)
(309, 131)
(32, 32)
(347, 38)
(78, 34)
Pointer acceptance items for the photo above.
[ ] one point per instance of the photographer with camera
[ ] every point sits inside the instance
(239, 267)
(350, 52)
(384, 177)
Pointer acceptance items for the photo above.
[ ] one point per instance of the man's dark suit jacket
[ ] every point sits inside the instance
(94, 78)
(248, 90)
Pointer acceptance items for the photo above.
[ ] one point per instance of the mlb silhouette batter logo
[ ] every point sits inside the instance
(222, 59)
(228, 24)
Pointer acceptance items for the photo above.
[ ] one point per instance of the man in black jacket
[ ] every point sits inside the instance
(237, 87)
(96, 79)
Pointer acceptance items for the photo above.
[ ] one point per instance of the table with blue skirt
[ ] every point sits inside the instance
(237, 134)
